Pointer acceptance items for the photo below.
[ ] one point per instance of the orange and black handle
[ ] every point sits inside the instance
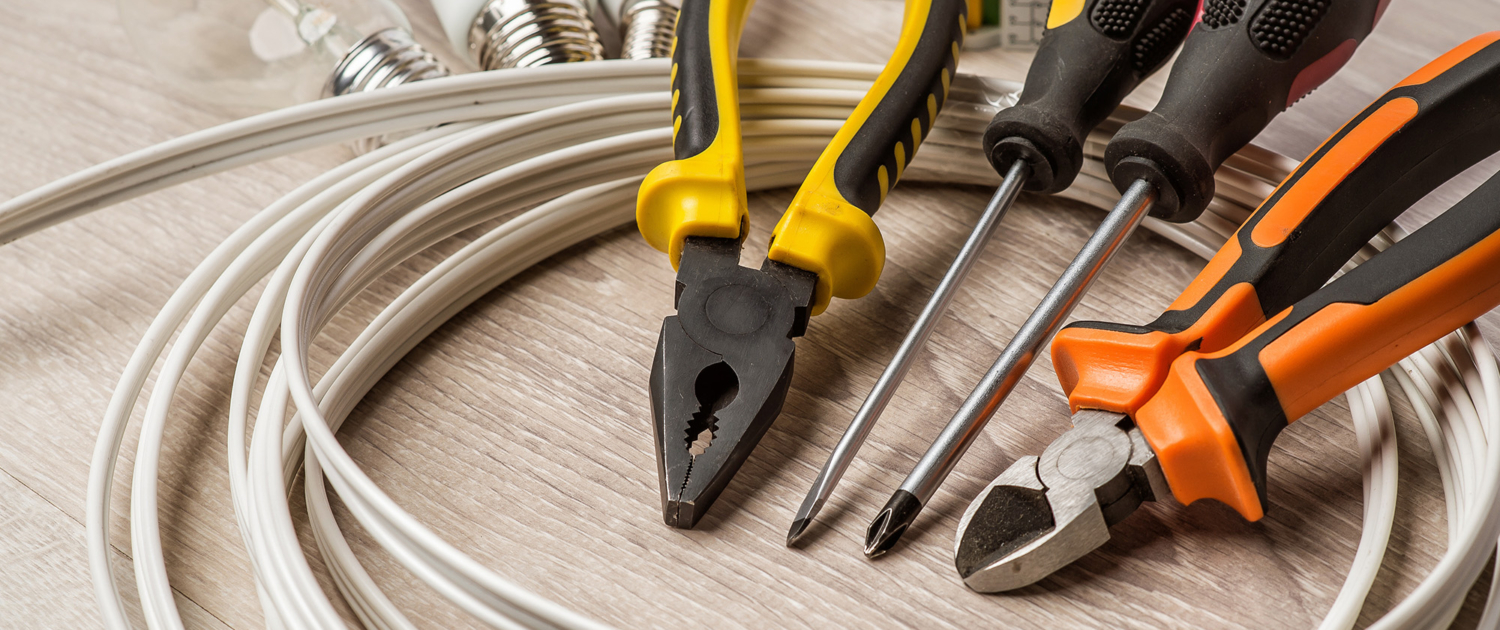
(1431, 126)
(1243, 64)
(1092, 55)
(1213, 421)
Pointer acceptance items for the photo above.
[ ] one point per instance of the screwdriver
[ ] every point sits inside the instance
(1082, 70)
(1243, 63)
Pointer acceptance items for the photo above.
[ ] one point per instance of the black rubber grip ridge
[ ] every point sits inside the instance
(1455, 127)
(1227, 85)
(1239, 382)
(1081, 72)
(1222, 13)
(693, 82)
(1157, 43)
(903, 116)
(1282, 25)
(1116, 18)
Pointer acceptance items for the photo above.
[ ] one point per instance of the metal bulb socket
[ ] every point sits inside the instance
(526, 33)
(648, 28)
(387, 58)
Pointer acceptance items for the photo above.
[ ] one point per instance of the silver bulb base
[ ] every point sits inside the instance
(648, 28)
(526, 33)
(388, 58)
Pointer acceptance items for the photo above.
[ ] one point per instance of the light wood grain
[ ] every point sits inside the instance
(521, 431)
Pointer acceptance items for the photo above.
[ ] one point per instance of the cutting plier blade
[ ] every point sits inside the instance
(723, 364)
(1044, 512)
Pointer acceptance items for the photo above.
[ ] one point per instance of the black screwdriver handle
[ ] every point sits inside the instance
(1092, 55)
(1244, 62)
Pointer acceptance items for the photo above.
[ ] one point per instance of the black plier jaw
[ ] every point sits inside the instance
(722, 368)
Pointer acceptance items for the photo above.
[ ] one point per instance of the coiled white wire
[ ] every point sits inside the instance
(570, 143)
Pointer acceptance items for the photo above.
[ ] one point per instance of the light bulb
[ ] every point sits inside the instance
(647, 27)
(265, 54)
(495, 34)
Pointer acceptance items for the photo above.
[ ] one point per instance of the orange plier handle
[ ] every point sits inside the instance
(1252, 343)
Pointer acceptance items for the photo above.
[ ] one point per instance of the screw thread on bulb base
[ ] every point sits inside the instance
(525, 33)
(648, 28)
(387, 58)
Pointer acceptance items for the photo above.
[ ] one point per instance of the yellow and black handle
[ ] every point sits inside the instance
(1243, 64)
(1433, 125)
(827, 229)
(1213, 421)
(702, 191)
(1092, 55)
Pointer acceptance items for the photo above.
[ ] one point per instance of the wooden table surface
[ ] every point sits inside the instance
(520, 431)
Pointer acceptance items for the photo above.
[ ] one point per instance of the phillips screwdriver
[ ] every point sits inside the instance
(1194, 400)
(1092, 55)
(1242, 64)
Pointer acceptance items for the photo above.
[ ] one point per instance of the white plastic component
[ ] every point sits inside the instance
(457, 17)
(1022, 23)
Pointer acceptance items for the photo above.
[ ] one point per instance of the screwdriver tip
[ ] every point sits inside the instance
(805, 514)
(891, 523)
(798, 526)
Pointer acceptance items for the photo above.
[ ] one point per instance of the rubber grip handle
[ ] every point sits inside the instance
(1428, 128)
(827, 229)
(705, 84)
(702, 191)
(1242, 64)
(1213, 422)
(1092, 55)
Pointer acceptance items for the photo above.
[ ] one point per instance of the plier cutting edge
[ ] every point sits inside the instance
(724, 361)
(1187, 407)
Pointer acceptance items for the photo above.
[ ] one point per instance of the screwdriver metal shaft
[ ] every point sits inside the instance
(885, 387)
(1008, 369)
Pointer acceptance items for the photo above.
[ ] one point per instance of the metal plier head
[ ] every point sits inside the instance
(1044, 512)
(722, 367)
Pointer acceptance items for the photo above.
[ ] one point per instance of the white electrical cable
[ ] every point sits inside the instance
(1376, 441)
(331, 237)
(1439, 597)
(477, 96)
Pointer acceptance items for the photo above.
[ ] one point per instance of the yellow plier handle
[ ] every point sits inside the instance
(827, 230)
(702, 191)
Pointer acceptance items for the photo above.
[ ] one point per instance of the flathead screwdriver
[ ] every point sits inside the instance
(1242, 64)
(1092, 55)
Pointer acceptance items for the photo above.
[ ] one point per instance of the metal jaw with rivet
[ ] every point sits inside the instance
(722, 368)
(1045, 512)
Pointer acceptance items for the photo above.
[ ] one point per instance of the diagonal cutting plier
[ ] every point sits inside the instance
(724, 362)
(1188, 406)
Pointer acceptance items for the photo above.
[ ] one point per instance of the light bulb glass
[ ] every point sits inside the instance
(252, 54)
